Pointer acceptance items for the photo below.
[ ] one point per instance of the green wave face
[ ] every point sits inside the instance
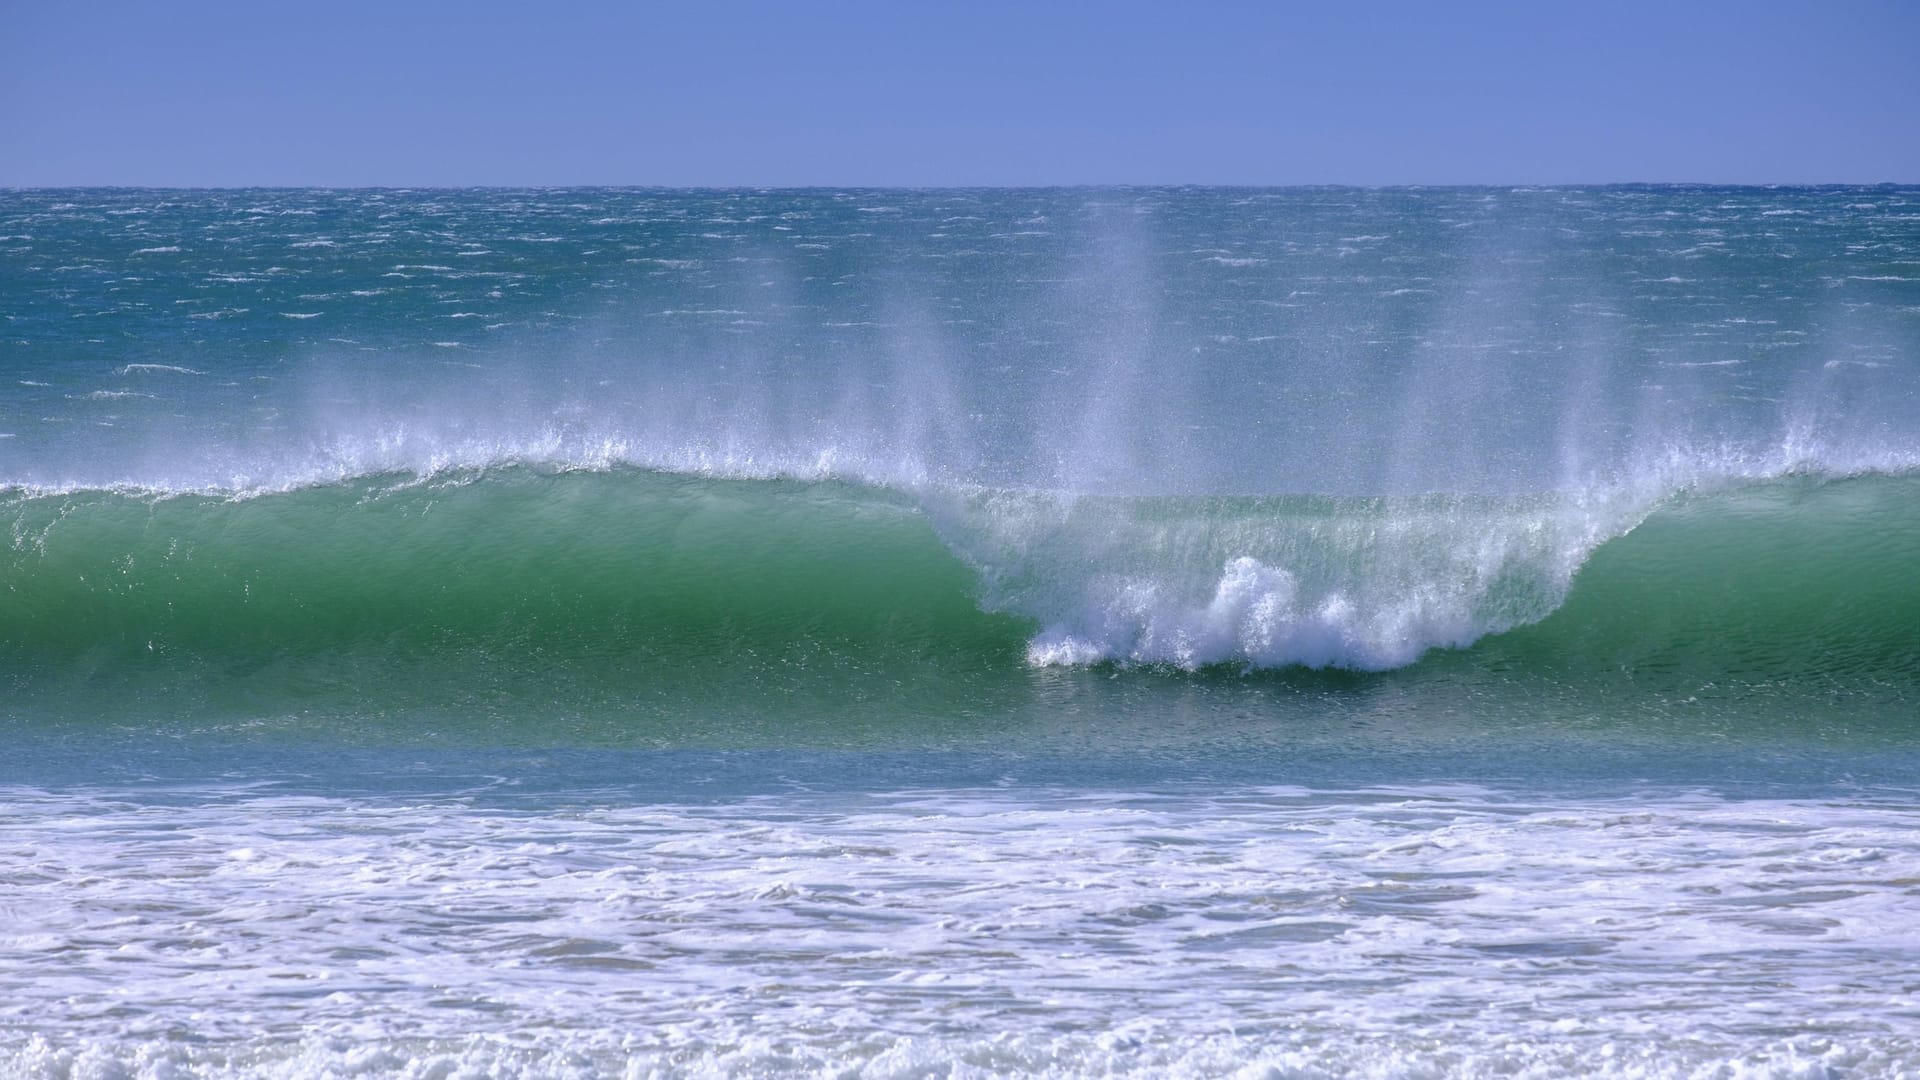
(677, 606)
(585, 589)
(1798, 582)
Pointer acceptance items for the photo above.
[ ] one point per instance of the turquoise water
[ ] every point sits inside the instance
(1066, 632)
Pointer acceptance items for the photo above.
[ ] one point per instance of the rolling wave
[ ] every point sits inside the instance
(629, 582)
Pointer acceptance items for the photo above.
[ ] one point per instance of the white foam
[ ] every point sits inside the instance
(1258, 616)
(1369, 584)
(1134, 1049)
(1392, 932)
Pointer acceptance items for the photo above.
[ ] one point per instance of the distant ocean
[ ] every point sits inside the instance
(960, 633)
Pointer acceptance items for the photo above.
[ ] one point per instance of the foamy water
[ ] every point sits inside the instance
(960, 932)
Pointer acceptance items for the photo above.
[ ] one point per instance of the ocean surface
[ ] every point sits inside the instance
(960, 633)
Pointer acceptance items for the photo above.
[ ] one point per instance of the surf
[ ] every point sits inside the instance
(498, 587)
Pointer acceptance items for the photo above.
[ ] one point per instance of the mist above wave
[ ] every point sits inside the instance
(1147, 341)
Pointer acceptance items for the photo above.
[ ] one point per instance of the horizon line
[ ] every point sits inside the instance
(1085, 186)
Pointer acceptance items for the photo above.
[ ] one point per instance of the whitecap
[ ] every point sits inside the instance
(129, 369)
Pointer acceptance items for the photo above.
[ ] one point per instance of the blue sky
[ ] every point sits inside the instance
(350, 93)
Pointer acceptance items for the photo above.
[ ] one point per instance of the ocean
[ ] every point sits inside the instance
(1312, 632)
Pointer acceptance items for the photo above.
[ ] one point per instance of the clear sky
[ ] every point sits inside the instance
(419, 92)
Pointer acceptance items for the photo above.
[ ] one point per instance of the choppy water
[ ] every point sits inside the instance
(1214, 632)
